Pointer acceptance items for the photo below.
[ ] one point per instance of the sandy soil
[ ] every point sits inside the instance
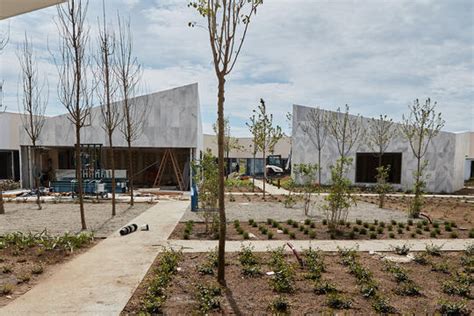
(252, 296)
(63, 217)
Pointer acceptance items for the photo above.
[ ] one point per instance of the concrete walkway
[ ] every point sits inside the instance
(272, 189)
(102, 280)
(324, 245)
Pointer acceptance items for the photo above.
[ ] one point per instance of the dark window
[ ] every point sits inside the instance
(65, 159)
(366, 164)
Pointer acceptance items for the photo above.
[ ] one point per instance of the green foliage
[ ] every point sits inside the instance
(338, 301)
(402, 250)
(280, 305)
(6, 289)
(314, 261)
(421, 258)
(382, 305)
(382, 187)
(408, 289)
(208, 297)
(306, 173)
(433, 250)
(447, 308)
(324, 287)
(37, 269)
(339, 198)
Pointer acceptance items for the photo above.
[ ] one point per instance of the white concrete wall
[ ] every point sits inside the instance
(445, 156)
(173, 120)
(10, 124)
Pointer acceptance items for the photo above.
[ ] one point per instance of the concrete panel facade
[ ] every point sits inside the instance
(172, 121)
(445, 155)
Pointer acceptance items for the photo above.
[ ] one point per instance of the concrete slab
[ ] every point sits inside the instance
(101, 280)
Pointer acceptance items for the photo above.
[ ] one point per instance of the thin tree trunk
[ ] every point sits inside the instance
(253, 172)
(112, 165)
(37, 184)
(130, 171)
(264, 171)
(79, 177)
(319, 167)
(221, 202)
(2, 207)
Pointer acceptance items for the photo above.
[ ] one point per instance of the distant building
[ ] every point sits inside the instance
(446, 154)
(244, 156)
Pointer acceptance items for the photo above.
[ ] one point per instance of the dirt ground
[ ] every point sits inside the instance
(63, 217)
(451, 209)
(319, 231)
(22, 263)
(255, 296)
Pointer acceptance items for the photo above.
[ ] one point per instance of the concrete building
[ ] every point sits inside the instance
(446, 155)
(244, 155)
(171, 138)
(469, 154)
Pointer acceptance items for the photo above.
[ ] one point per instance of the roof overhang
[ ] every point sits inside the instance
(9, 8)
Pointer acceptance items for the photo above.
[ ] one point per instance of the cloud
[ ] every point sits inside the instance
(377, 57)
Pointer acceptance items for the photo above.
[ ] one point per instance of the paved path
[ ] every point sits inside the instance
(272, 189)
(102, 280)
(324, 245)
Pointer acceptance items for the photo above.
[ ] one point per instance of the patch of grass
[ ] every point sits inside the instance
(6, 289)
(324, 287)
(453, 308)
(408, 289)
(270, 235)
(433, 250)
(382, 305)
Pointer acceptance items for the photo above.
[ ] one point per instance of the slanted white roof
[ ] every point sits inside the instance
(9, 8)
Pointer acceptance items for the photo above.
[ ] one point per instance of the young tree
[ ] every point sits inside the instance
(346, 131)
(419, 128)
(106, 86)
(380, 133)
(33, 103)
(73, 91)
(252, 125)
(206, 175)
(128, 72)
(267, 136)
(315, 128)
(230, 143)
(227, 25)
(307, 174)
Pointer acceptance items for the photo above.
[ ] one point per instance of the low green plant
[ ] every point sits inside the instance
(421, 258)
(373, 235)
(208, 297)
(7, 269)
(324, 287)
(453, 235)
(270, 235)
(338, 301)
(6, 289)
(246, 235)
(280, 305)
(312, 234)
(382, 305)
(37, 269)
(358, 222)
(24, 278)
(292, 235)
(402, 250)
(408, 289)
(434, 250)
(391, 235)
(363, 231)
(448, 308)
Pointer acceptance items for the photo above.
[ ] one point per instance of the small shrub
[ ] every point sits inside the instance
(407, 289)
(236, 223)
(312, 234)
(453, 235)
(254, 224)
(410, 222)
(453, 287)
(471, 233)
(435, 225)
(292, 235)
(37, 269)
(421, 258)
(7, 269)
(312, 225)
(413, 235)
(393, 222)
(285, 231)
(440, 267)
(358, 222)
(433, 234)
(246, 235)
(289, 221)
(282, 281)
(433, 250)
(307, 221)
(391, 235)
(366, 225)
(380, 230)
(186, 236)
(373, 235)
(419, 232)
(382, 305)
(448, 228)
(324, 287)
(280, 305)
(251, 221)
(376, 222)
(390, 228)
(325, 221)
(338, 301)
(208, 297)
(400, 231)
(295, 224)
(426, 228)
(24, 278)
(402, 250)
(453, 308)
(363, 231)
(351, 235)
(6, 289)
(372, 228)
(301, 228)
(419, 225)
(270, 235)
(401, 225)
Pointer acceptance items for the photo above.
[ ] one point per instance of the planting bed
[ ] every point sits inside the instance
(444, 208)
(357, 283)
(25, 258)
(304, 230)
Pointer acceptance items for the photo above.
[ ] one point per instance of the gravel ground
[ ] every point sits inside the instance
(65, 217)
(260, 211)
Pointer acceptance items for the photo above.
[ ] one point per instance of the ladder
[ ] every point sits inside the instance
(174, 162)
